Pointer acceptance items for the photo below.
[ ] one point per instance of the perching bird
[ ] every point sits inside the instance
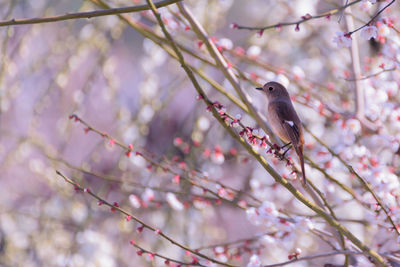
(283, 118)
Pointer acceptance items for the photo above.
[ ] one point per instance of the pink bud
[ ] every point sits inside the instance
(234, 26)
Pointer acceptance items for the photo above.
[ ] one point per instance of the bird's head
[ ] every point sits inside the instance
(274, 90)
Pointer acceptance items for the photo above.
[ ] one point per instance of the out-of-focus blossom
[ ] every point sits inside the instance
(298, 72)
(304, 224)
(148, 195)
(226, 43)
(342, 40)
(217, 157)
(266, 215)
(282, 79)
(135, 201)
(253, 216)
(174, 202)
(254, 261)
(354, 126)
(254, 51)
(268, 209)
(365, 5)
(383, 30)
(369, 32)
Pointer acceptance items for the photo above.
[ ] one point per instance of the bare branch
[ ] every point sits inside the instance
(372, 75)
(88, 14)
(115, 207)
(311, 257)
(303, 19)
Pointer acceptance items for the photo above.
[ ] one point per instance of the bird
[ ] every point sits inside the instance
(284, 120)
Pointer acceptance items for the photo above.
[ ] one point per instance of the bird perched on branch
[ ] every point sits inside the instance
(283, 119)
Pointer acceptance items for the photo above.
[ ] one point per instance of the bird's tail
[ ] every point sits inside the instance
(299, 150)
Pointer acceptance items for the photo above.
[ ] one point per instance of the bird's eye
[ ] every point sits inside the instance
(270, 88)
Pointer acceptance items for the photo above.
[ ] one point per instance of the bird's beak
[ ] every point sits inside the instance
(259, 88)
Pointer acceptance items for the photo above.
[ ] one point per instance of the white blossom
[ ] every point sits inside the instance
(254, 51)
(342, 40)
(369, 32)
(174, 202)
(253, 216)
(354, 126)
(226, 43)
(268, 209)
(365, 5)
(135, 201)
(304, 224)
(148, 195)
(218, 158)
(254, 261)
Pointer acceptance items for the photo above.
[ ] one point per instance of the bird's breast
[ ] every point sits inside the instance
(277, 124)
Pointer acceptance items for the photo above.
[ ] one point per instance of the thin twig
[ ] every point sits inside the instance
(304, 19)
(136, 219)
(129, 150)
(167, 259)
(372, 19)
(88, 14)
(311, 257)
(372, 75)
(364, 183)
(341, 13)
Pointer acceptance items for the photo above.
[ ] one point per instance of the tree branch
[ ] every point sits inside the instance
(358, 82)
(304, 19)
(226, 70)
(311, 257)
(372, 19)
(136, 219)
(88, 14)
(373, 254)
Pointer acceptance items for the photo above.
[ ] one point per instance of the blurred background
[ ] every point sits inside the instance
(127, 86)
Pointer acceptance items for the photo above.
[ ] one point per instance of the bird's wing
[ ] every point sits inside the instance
(290, 121)
(292, 125)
